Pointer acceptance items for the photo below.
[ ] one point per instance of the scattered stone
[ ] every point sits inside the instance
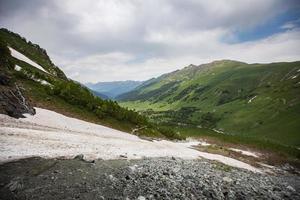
(141, 198)
(227, 179)
(152, 178)
(79, 157)
(166, 173)
(291, 188)
(144, 175)
(15, 185)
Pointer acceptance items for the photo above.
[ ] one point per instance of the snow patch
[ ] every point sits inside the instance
(266, 165)
(204, 144)
(247, 153)
(218, 131)
(22, 57)
(293, 77)
(43, 82)
(250, 100)
(18, 68)
(49, 134)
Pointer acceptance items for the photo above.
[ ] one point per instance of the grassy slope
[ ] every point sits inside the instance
(223, 89)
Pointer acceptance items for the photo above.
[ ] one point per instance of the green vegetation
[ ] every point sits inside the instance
(254, 142)
(259, 103)
(5, 62)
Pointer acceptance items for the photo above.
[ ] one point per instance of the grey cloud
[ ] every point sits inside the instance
(152, 34)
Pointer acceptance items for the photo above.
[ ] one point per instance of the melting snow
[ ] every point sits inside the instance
(250, 100)
(18, 68)
(294, 77)
(247, 153)
(49, 134)
(266, 165)
(43, 82)
(218, 131)
(204, 144)
(22, 57)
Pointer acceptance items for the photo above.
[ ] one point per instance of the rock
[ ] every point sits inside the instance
(291, 188)
(166, 173)
(141, 198)
(15, 185)
(13, 102)
(227, 179)
(79, 157)
(276, 189)
(123, 156)
(144, 175)
(4, 80)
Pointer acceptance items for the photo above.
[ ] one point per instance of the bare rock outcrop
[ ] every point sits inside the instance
(12, 100)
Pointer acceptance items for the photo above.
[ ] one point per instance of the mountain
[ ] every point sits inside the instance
(235, 98)
(114, 88)
(98, 94)
(28, 79)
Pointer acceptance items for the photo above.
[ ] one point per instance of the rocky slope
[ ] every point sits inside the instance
(163, 178)
(12, 100)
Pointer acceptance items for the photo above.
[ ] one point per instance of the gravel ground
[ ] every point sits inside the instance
(153, 178)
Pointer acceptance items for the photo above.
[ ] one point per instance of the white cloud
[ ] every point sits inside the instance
(118, 66)
(291, 24)
(100, 40)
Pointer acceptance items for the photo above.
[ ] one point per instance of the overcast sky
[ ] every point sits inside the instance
(107, 40)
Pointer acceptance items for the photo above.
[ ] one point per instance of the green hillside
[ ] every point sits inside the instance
(50, 88)
(260, 101)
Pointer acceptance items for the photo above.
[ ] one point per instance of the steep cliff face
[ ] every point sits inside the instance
(12, 100)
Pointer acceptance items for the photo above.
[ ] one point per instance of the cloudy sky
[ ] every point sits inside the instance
(106, 40)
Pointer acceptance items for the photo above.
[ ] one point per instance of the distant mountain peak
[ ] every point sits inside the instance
(114, 88)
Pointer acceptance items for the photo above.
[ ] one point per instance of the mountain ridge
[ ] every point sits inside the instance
(257, 100)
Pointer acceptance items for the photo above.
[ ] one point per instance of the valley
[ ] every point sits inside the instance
(255, 104)
(222, 130)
